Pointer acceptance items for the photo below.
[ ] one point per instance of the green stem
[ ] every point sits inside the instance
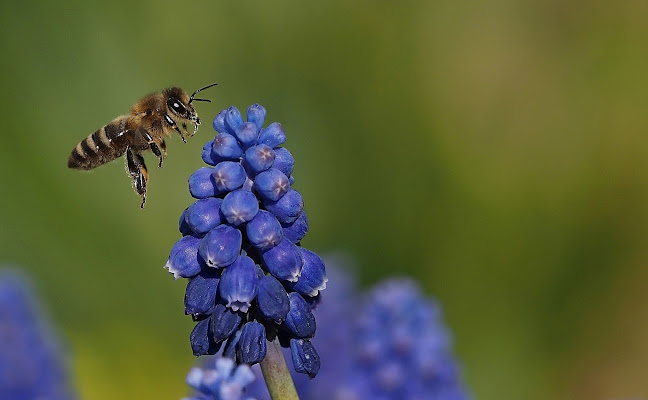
(276, 374)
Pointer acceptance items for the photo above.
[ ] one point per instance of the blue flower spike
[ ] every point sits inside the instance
(250, 279)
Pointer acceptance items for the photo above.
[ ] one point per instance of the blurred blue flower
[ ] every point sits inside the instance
(224, 381)
(393, 346)
(249, 278)
(31, 363)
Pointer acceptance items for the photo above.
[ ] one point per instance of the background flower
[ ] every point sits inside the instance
(32, 365)
(389, 344)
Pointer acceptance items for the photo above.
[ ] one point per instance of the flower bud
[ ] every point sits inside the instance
(259, 158)
(233, 119)
(304, 357)
(296, 230)
(273, 299)
(227, 147)
(300, 320)
(201, 292)
(239, 284)
(239, 206)
(264, 231)
(224, 322)
(221, 246)
(284, 261)
(283, 161)
(228, 176)
(219, 122)
(201, 184)
(251, 348)
(288, 208)
(247, 134)
(256, 113)
(271, 184)
(202, 342)
(204, 215)
(273, 135)
(184, 261)
(313, 275)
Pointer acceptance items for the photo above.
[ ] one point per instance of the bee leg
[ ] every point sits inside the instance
(156, 150)
(173, 124)
(138, 172)
(154, 147)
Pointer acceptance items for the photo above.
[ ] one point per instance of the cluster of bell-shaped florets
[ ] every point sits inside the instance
(249, 278)
(32, 365)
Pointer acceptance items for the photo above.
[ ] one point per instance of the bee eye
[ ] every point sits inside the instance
(176, 106)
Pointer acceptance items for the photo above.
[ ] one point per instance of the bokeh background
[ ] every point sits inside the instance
(495, 151)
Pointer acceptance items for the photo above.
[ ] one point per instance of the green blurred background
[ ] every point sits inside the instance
(495, 151)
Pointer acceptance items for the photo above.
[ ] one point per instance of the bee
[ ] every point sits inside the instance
(151, 120)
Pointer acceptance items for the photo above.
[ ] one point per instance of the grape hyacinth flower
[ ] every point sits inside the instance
(394, 346)
(31, 363)
(224, 381)
(249, 279)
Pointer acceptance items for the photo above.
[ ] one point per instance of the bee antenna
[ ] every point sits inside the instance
(200, 90)
(207, 100)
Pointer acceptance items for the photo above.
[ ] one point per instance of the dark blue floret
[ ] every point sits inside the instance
(304, 357)
(227, 147)
(201, 184)
(251, 347)
(256, 113)
(300, 320)
(228, 176)
(224, 322)
(239, 206)
(203, 215)
(239, 284)
(201, 340)
(284, 261)
(271, 184)
(233, 119)
(313, 275)
(296, 230)
(264, 231)
(284, 161)
(221, 246)
(184, 261)
(273, 135)
(207, 155)
(242, 243)
(183, 227)
(288, 208)
(201, 293)
(219, 122)
(273, 300)
(247, 134)
(259, 158)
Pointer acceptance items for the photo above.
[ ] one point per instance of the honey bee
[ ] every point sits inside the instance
(150, 121)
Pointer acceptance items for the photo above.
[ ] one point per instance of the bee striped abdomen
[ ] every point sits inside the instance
(106, 144)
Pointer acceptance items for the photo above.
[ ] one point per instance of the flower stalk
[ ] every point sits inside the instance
(276, 374)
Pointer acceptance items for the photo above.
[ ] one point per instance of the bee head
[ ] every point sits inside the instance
(180, 104)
